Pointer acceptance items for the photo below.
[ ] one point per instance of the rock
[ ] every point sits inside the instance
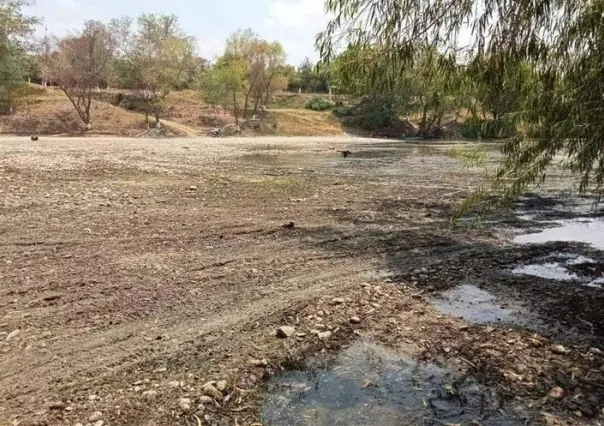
(13, 334)
(559, 349)
(355, 320)
(210, 390)
(424, 270)
(595, 351)
(556, 393)
(174, 384)
(150, 394)
(285, 331)
(325, 335)
(99, 423)
(205, 400)
(221, 385)
(57, 405)
(338, 301)
(78, 424)
(160, 370)
(95, 417)
(185, 404)
(192, 188)
(259, 362)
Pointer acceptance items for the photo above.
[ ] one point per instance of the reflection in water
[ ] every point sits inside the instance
(550, 271)
(368, 385)
(588, 231)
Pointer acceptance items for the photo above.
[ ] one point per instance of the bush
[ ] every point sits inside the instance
(316, 103)
(486, 129)
(375, 113)
(340, 111)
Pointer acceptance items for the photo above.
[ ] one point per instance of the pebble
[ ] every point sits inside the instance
(355, 320)
(192, 188)
(150, 394)
(205, 400)
(338, 301)
(78, 424)
(160, 370)
(285, 331)
(259, 362)
(324, 335)
(13, 334)
(95, 417)
(174, 384)
(185, 404)
(556, 393)
(99, 423)
(221, 385)
(559, 349)
(210, 390)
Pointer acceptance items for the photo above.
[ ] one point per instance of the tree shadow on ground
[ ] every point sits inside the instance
(451, 256)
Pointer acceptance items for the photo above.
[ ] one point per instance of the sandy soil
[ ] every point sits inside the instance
(135, 272)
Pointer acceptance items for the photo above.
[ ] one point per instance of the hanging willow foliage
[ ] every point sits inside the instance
(562, 40)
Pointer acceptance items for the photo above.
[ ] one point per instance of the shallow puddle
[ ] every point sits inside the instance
(555, 267)
(550, 271)
(589, 231)
(478, 306)
(369, 385)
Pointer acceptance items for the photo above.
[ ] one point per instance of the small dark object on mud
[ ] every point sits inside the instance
(34, 138)
(345, 154)
(289, 225)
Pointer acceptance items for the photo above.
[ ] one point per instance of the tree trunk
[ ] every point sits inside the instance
(258, 96)
(235, 107)
(245, 104)
(422, 124)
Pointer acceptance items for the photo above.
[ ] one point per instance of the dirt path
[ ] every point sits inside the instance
(136, 271)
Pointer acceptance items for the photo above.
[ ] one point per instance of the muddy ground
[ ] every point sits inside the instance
(143, 280)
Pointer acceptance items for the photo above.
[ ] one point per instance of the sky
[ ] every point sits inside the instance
(294, 23)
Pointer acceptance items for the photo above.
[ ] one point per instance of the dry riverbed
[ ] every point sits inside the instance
(198, 281)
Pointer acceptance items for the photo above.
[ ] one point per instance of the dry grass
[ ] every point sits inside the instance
(187, 107)
(302, 123)
(52, 113)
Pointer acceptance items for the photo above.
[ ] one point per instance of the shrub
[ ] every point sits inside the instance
(317, 103)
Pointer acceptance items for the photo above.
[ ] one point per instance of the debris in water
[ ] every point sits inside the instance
(477, 306)
(368, 385)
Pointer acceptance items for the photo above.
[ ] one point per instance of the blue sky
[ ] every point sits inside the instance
(294, 23)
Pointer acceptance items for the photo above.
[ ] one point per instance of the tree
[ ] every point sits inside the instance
(79, 64)
(262, 62)
(308, 79)
(222, 84)
(15, 28)
(154, 57)
(563, 40)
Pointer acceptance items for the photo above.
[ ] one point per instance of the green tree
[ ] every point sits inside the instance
(224, 83)
(154, 56)
(563, 40)
(15, 29)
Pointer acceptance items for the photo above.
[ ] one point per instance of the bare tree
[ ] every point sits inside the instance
(79, 64)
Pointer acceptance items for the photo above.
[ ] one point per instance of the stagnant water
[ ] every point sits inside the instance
(369, 385)
(588, 230)
(479, 307)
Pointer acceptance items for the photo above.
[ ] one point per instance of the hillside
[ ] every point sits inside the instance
(51, 113)
(185, 114)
